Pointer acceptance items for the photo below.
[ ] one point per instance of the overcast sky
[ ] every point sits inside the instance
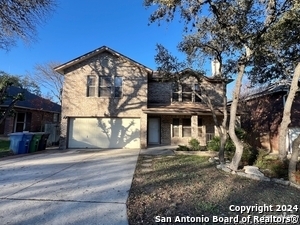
(77, 27)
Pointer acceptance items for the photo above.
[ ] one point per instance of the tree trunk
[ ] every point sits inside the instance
(236, 95)
(294, 160)
(286, 117)
(220, 129)
(223, 137)
(238, 144)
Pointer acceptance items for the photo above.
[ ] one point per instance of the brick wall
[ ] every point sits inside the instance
(39, 119)
(159, 92)
(75, 102)
(35, 121)
(198, 132)
(262, 119)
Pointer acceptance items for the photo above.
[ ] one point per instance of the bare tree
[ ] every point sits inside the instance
(19, 19)
(47, 77)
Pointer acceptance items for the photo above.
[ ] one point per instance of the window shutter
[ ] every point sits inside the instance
(28, 121)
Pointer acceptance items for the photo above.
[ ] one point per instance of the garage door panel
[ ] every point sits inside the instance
(104, 133)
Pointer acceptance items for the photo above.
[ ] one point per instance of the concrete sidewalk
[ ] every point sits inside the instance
(70, 187)
(159, 150)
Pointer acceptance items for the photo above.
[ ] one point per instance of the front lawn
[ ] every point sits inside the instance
(4, 148)
(173, 187)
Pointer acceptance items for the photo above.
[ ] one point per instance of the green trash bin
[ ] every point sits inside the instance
(35, 141)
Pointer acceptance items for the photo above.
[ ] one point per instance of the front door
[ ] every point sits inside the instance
(153, 130)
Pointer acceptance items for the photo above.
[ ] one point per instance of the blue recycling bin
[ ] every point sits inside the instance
(25, 143)
(20, 142)
(15, 139)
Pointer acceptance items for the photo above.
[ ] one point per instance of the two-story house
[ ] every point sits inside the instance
(112, 101)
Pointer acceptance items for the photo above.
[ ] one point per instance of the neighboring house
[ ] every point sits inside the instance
(112, 101)
(263, 114)
(29, 115)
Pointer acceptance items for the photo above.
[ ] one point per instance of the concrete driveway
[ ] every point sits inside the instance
(67, 187)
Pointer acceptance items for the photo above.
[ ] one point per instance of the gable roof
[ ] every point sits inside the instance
(60, 69)
(31, 101)
(276, 87)
(156, 75)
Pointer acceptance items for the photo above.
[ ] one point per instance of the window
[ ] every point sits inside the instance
(199, 127)
(91, 86)
(110, 86)
(118, 87)
(186, 92)
(186, 127)
(176, 92)
(20, 122)
(55, 117)
(197, 93)
(105, 87)
(175, 127)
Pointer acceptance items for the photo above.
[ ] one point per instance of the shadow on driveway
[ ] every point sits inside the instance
(70, 187)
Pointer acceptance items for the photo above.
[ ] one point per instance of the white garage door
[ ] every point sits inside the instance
(104, 133)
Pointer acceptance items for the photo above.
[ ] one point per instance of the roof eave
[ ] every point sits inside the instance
(29, 108)
(61, 69)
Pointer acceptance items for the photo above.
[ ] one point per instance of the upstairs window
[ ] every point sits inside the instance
(110, 86)
(197, 93)
(186, 93)
(118, 87)
(91, 86)
(105, 87)
(176, 96)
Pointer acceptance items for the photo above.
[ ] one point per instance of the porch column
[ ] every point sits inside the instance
(194, 124)
(203, 137)
(143, 140)
(216, 131)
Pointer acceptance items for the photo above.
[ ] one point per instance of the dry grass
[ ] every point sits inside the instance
(191, 186)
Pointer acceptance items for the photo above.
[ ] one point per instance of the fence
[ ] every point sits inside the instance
(54, 131)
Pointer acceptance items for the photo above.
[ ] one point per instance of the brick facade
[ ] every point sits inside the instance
(159, 92)
(262, 124)
(35, 121)
(201, 133)
(140, 91)
(76, 103)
